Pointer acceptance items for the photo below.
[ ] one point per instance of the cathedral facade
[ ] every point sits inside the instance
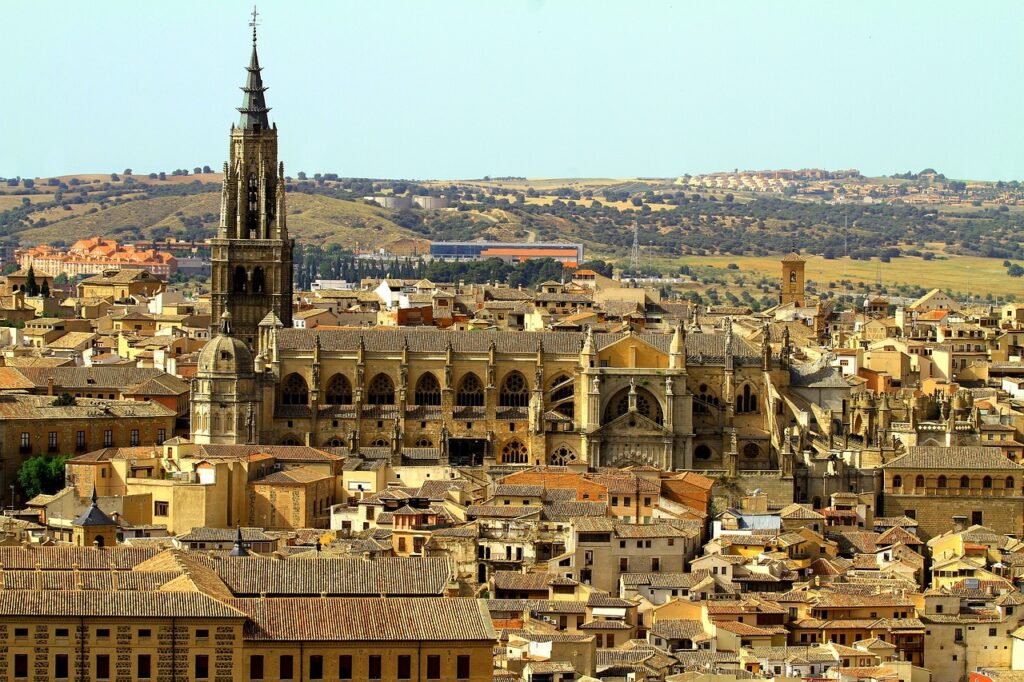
(674, 401)
(251, 256)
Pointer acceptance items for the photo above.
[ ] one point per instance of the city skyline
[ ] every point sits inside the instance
(535, 89)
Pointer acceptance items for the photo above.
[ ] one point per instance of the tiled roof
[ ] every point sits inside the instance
(698, 345)
(204, 534)
(282, 453)
(297, 476)
(956, 458)
(337, 576)
(514, 580)
(365, 620)
(500, 511)
(68, 557)
(121, 604)
(678, 629)
(41, 407)
(85, 580)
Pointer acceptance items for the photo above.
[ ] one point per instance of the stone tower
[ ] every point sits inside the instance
(792, 280)
(226, 391)
(252, 253)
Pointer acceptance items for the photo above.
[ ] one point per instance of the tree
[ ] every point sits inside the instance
(29, 183)
(162, 176)
(114, 177)
(44, 291)
(152, 176)
(30, 283)
(42, 474)
(197, 170)
(127, 171)
(64, 400)
(206, 169)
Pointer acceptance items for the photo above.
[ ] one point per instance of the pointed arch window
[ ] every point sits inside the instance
(563, 394)
(240, 280)
(470, 393)
(338, 391)
(294, 390)
(381, 391)
(259, 280)
(428, 390)
(514, 452)
(562, 456)
(704, 401)
(746, 400)
(514, 391)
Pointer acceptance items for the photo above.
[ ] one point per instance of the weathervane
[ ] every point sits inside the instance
(254, 23)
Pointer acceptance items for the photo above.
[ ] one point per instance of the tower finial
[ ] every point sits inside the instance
(254, 23)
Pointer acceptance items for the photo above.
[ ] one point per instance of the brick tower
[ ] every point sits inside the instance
(252, 253)
(792, 280)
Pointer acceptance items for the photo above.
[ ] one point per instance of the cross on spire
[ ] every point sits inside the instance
(254, 23)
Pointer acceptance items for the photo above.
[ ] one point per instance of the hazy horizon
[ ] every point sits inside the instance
(459, 90)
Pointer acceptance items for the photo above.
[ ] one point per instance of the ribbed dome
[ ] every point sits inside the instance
(224, 354)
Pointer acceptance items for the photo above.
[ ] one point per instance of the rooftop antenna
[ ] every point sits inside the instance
(634, 257)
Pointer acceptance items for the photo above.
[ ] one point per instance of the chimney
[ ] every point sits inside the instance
(49, 385)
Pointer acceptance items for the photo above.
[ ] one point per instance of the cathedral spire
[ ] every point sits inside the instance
(254, 105)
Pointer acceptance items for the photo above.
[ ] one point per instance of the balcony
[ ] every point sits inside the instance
(954, 492)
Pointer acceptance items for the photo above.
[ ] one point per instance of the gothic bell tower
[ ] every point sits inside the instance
(251, 256)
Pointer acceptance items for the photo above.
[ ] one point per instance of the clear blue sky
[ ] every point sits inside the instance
(542, 88)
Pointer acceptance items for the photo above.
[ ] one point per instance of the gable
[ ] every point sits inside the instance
(633, 424)
(632, 351)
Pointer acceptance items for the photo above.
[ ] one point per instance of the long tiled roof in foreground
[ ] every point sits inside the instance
(365, 620)
(421, 340)
(113, 604)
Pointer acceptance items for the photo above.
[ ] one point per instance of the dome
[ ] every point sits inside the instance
(224, 354)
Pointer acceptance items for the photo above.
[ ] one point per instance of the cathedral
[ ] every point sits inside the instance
(251, 255)
(696, 398)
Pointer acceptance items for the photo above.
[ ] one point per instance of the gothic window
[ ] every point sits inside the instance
(379, 443)
(424, 443)
(646, 404)
(563, 456)
(428, 390)
(704, 401)
(381, 391)
(746, 400)
(702, 452)
(339, 391)
(514, 391)
(335, 443)
(240, 282)
(470, 393)
(294, 390)
(563, 392)
(254, 206)
(751, 451)
(259, 280)
(514, 452)
(290, 440)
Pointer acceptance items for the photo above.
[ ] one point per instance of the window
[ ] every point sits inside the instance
(102, 666)
(373, 668)
(405, 667)
(965, 482)
(623, 564)
(135, 438)
(514, 452)
(941, 482)
(161, 436)
(161, 508)
(897, 482)
(21, 633)
(20, 666)
(655, 564)
(103, 633)
(339, 390)
(986, 482)
(287, 667)
(470, 393)
(26, 442)
(256, 667)
(919, 482)
(514, 392)
(294, 390)
(51, 440)
(145, 633)
(428, 390)
(746, 401)
(462, 667)
(991, 632)
(381, 391)
(345, 667)
(433, 667)
(61, 633)
(202, 666)
(60, 666)
(1009, 482)
(316, 667)
(202, 634)
(977, 518)
(108, 438)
